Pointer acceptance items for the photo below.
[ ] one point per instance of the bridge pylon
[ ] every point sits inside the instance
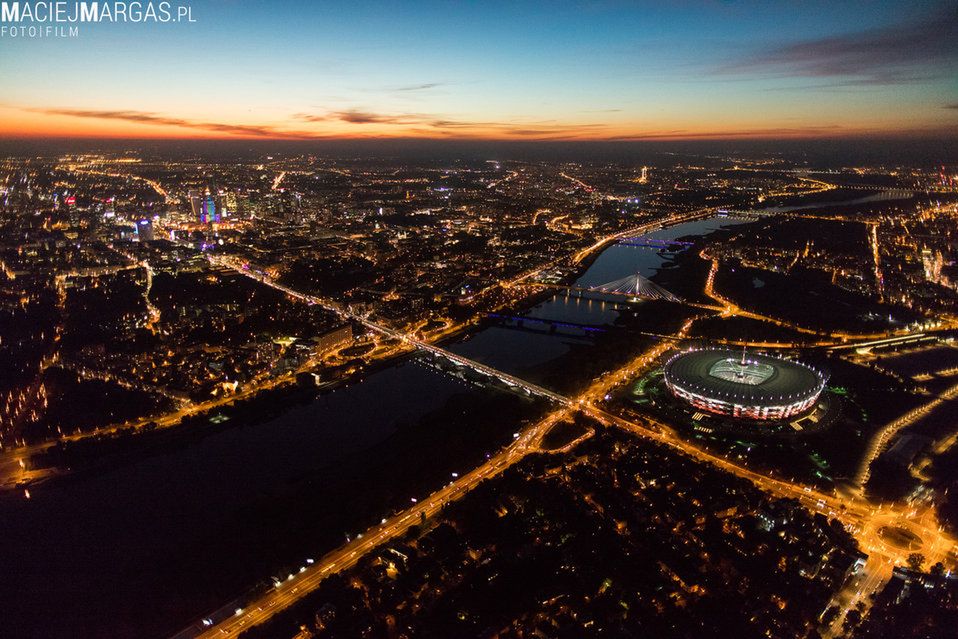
(636, 286)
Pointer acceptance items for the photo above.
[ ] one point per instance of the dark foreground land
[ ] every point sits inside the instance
(614, 539)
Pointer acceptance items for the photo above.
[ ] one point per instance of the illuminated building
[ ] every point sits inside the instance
(205, 208)
(144, 230)
(195, 204)
(230, 204)
(335, 338)
(747, 386)
(208, 211)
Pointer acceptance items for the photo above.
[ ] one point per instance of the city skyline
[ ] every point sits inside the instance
(581, 71)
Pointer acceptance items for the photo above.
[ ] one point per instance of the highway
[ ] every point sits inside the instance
(884, 436)
(870, 578)
(862, 518)
(153, 184)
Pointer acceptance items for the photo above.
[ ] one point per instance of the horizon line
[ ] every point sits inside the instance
(942, 136)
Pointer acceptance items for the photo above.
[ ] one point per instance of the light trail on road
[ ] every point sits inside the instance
(885, 435)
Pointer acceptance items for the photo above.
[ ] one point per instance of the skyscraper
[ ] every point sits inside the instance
(208, 210)
(195, 202)
(144, 230)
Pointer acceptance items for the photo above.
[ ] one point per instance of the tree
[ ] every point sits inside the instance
(938, 569)
(829, 616)
(915, 561)
(852, 619)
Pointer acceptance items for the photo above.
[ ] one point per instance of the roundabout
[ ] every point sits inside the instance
(900, 537)
(896, 533)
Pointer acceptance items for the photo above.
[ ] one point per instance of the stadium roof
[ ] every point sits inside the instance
(763, 379)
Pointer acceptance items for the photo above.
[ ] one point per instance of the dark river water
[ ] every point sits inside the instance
(134, 551)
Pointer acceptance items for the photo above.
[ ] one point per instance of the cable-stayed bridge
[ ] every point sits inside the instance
(631, 286)
(636, 286)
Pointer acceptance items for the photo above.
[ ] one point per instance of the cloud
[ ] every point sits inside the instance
(407, 91)
(912, 51)
(420, 87)
(360, 116)
(432, 126)
(355, 116)
(410, 123)
(426, 124)
(145, 117)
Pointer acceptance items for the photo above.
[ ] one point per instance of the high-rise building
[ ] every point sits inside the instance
(208, 210)
(195, 203)
(206, 207)
(230, 204)
(144, 231)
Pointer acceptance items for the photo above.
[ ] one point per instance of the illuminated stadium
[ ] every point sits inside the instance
(743, 385)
